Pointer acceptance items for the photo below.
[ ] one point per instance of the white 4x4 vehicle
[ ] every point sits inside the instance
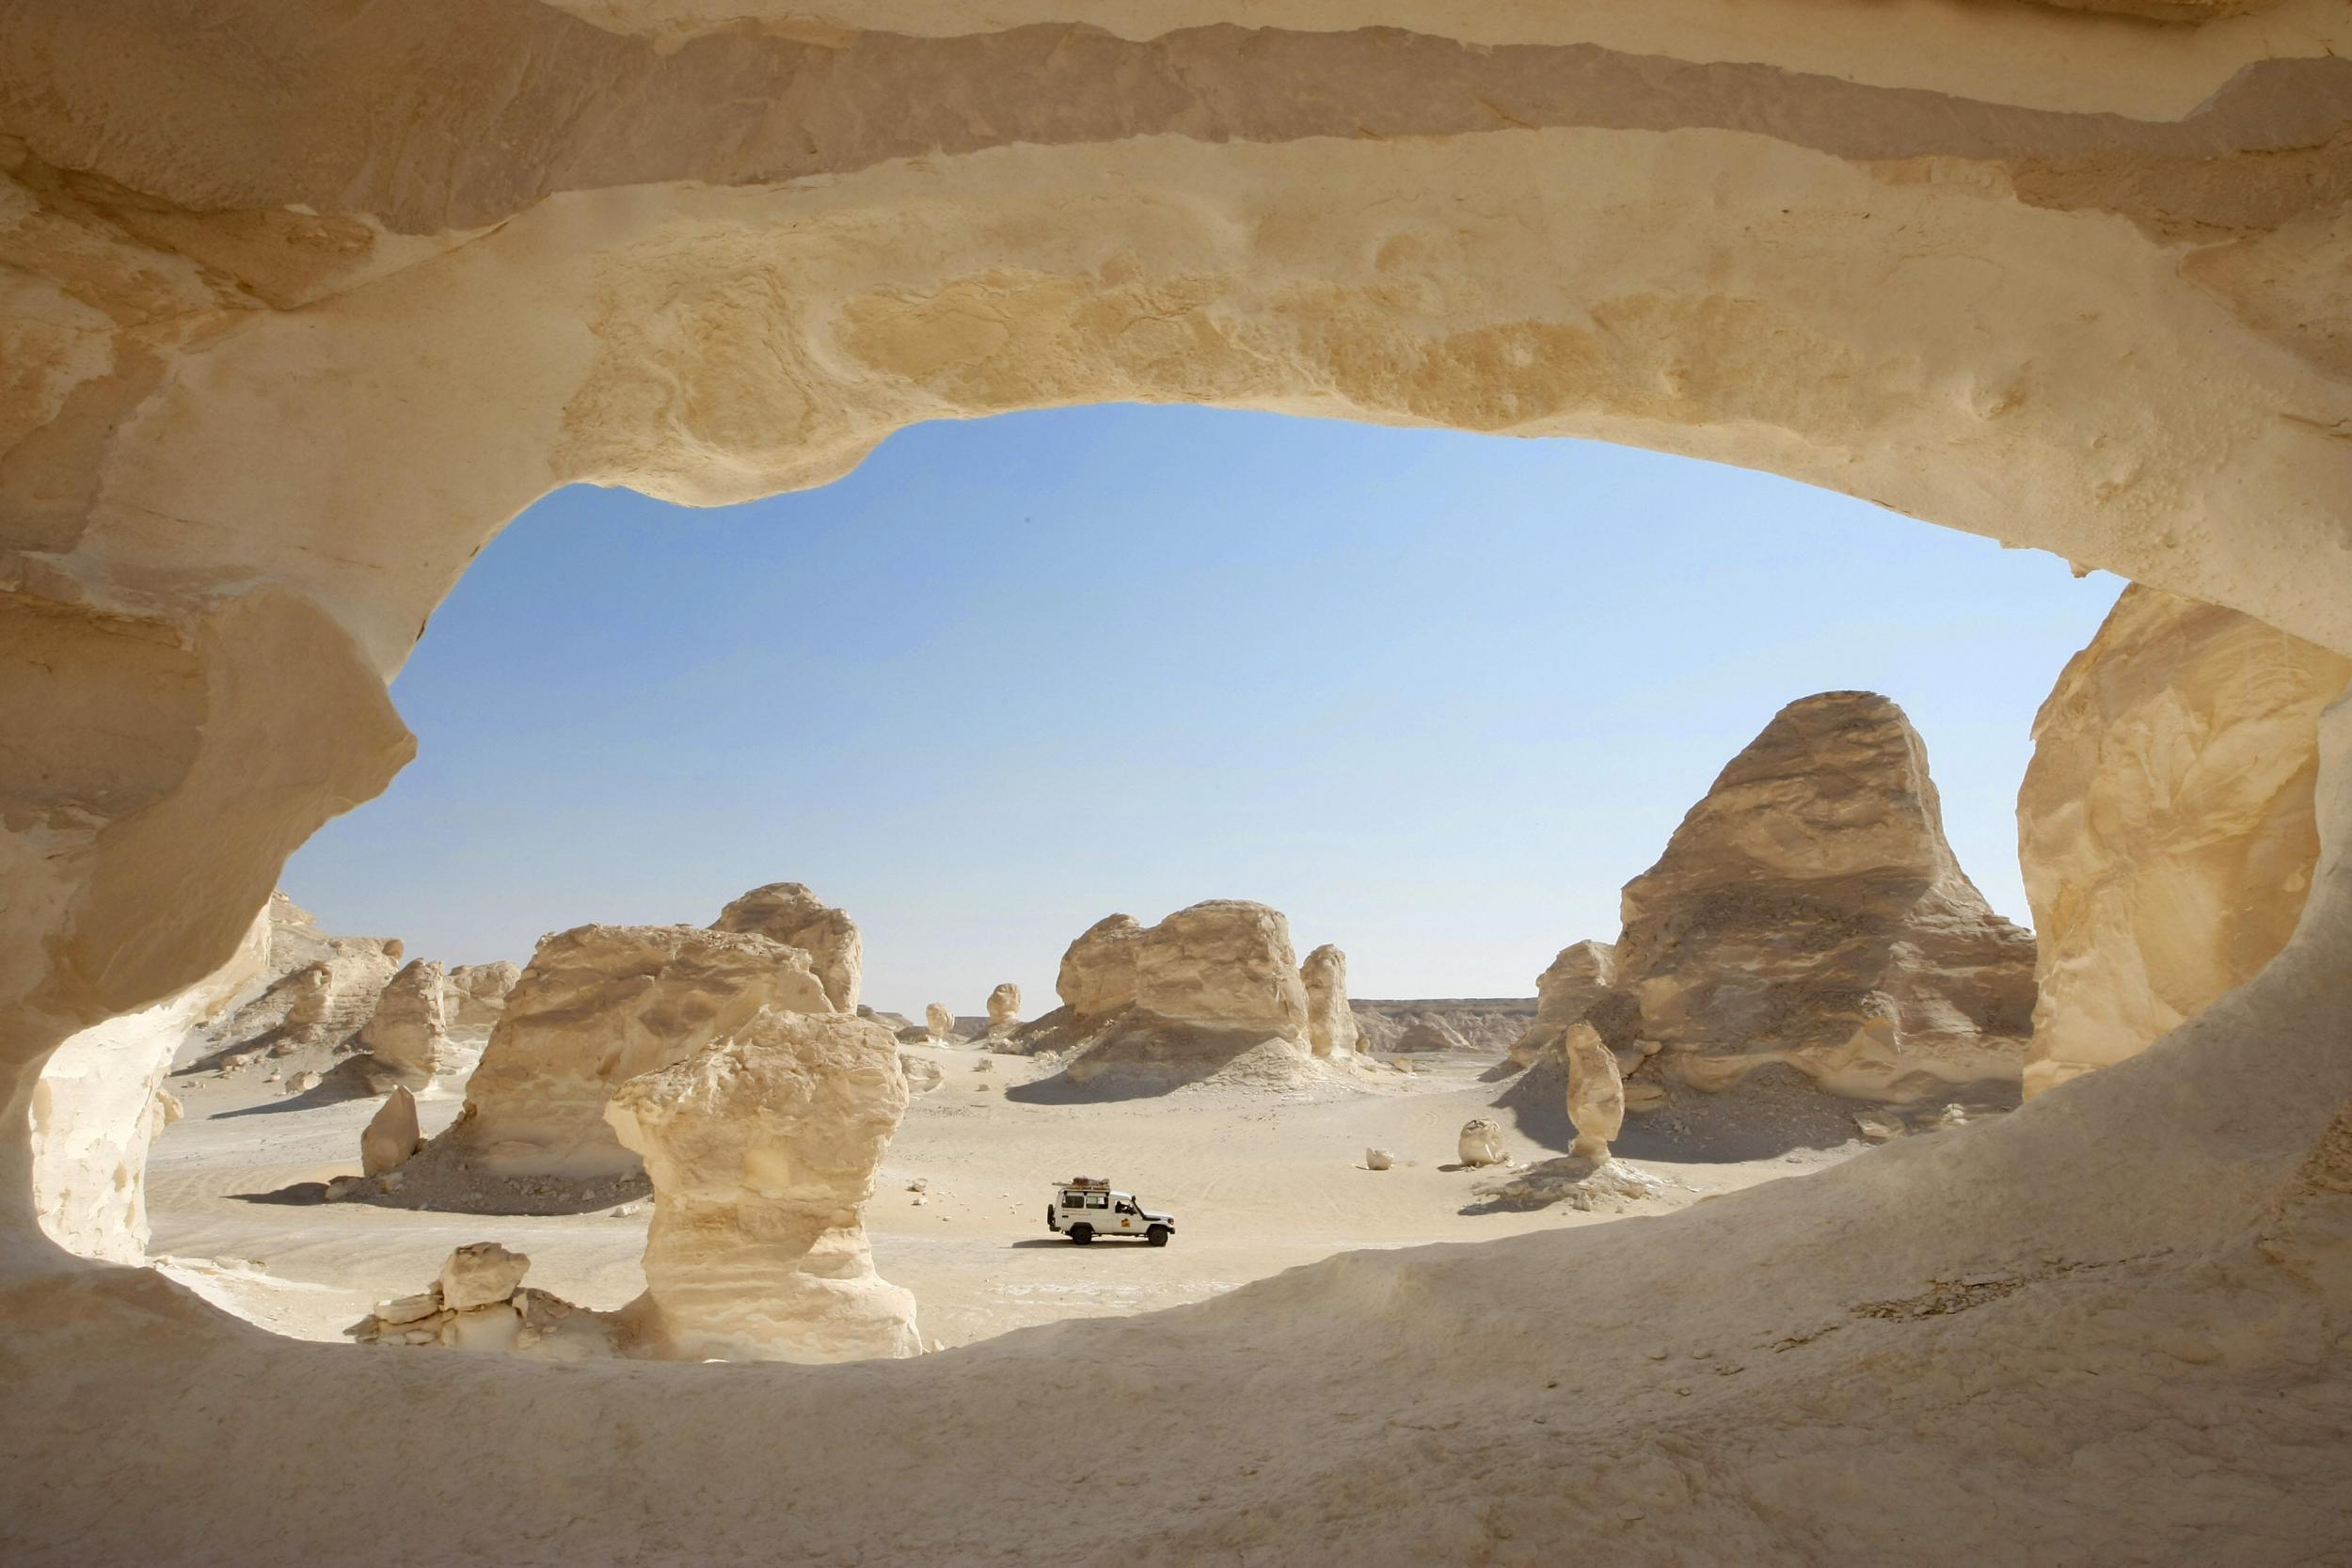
(1084, 1208)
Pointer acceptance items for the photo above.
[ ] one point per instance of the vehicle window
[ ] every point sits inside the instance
(1098, 1200)
(1126, 1207)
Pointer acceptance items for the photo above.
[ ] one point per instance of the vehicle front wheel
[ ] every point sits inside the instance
(1157, 1235)
(1082, 1234)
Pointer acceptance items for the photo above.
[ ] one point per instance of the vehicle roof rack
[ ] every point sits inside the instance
(1103, 1181)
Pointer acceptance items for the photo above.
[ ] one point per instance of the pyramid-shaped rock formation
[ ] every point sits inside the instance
(1809, 911)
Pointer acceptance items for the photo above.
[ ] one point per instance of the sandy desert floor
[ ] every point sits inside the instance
(1261, 1180)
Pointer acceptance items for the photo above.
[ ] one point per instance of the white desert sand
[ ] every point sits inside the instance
(1260, 1181)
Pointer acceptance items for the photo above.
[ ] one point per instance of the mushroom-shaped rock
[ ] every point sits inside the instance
(1004, 1006)
(938, 1022)
(1202, 989)
(1098, 971)
(597, 1005)
(1595, 1093)
(407, 1036)
(2166, 824)
(480, 1274)
(763, 1150)
(788, 912)
(475, 994)
(391, 1135)
(1481, 1142)
(1330, 1023)
(1578, 977)
(1226, 963)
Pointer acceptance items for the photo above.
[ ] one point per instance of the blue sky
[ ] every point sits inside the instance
(1436, 696)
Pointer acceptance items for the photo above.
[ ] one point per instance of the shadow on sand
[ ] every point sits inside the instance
(1142, 1061)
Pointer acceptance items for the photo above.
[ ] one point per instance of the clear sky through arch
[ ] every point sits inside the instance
(1436, 696)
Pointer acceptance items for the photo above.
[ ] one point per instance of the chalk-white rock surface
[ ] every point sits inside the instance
(763, 1150)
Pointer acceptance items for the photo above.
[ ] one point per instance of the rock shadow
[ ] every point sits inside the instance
(298, 1194)
(1142, 1062)
(1774, 1111)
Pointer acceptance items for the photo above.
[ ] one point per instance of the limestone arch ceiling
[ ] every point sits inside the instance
(311, 297)
(371, 279)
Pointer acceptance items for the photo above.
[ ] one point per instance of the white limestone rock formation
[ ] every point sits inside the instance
(407, 1037)
(480, 1303)
(391, 1135)
(1378, 1159)
(1098, 970)
(1211, 989)
(1595, 1093)
(1004, 1009)
(100, 1103)
(1484, 1023)
(1223, 965)
(1331, 1022)
(317, 990)
(1809, 912)
(597, 1005)
(1481, 1142)
(1429, 1032)
(1565, 993)
(763, 1150)
(789, 913)
(923, 1074)
(475, 994)
(939, 1025)
(2165, 823)
(305, 300)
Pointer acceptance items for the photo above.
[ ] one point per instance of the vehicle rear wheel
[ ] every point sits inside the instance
(1157, 1235)
(1082, 1233)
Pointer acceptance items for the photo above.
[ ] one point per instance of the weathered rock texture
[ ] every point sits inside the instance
(1429, 1032)
(318, 991)
(1577, 981)
(1004, 1007)
(1223, 965)
(1483, 1024)
(763, 1150)
(480, 1303)
(307, 301)
(101, 1102)
(1330, 1023)
(938, 1022)
(1596, 1092)
(597, 1006)
(1808, 911)
(1098, 971)
(1205, 987)
(2166, 824)
(1481, 1142)
(476, 993)
(791, 914)
(407, 1037)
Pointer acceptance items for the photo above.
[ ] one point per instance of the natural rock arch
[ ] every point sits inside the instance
(312, 300)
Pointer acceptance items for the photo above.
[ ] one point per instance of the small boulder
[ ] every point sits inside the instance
(1378, 1159)
(391, 1135)
(480, 1274)
(1481, 1142)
